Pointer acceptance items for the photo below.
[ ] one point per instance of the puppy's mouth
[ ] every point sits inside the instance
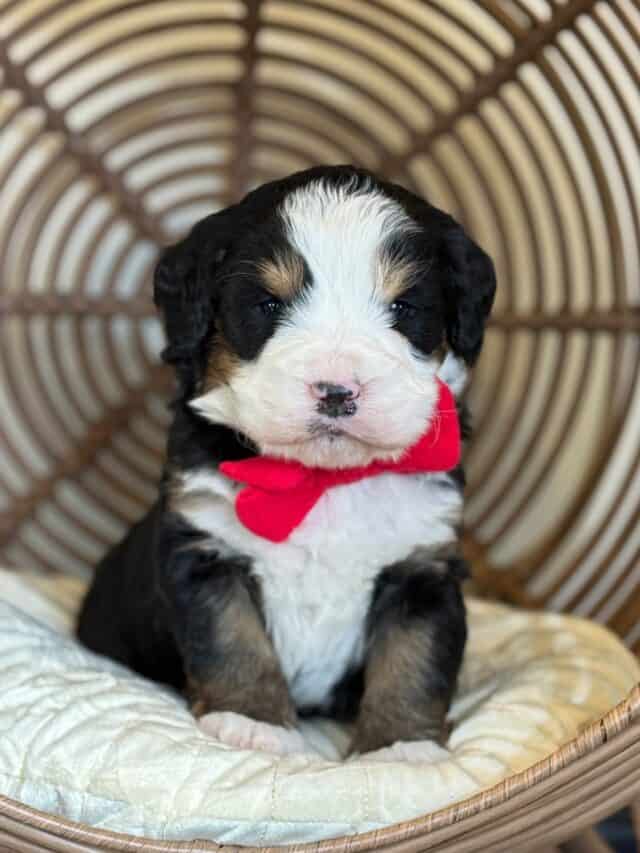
(322, 429)
(327, 443)
(332, 430)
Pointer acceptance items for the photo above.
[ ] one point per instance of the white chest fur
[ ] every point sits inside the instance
(316, 586)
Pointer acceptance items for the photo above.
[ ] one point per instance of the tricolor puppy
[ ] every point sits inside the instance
(303, 556)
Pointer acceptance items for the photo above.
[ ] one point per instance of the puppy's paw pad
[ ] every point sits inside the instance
(415, 752)
(242, 732)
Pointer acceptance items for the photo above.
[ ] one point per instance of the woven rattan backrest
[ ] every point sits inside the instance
(123, 121)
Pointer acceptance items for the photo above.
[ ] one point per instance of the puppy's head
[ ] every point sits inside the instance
(312, 316)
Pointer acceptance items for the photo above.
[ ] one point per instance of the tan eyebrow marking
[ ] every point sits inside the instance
(394, 277)
(283, 275)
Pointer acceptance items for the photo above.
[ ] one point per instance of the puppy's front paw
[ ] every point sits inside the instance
(412, 751)
(242, 732)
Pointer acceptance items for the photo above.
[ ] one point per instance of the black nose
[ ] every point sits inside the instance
(335, 401)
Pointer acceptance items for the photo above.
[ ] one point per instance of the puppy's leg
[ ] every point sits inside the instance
(237, 689)
(417, 632)
(241, 673)
(229, 661)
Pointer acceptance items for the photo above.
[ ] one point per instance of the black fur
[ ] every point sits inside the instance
(124, 616)
(156, 600)
(424, 591)
(418, 591)
(463, 271)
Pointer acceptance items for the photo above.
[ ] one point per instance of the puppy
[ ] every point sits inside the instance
(310, 327)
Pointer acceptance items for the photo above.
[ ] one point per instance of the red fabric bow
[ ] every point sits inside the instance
(279, 493)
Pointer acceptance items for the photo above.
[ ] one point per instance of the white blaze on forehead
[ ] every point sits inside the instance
(340, 232)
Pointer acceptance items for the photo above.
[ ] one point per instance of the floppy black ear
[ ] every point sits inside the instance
(469, 284)
(184, 289)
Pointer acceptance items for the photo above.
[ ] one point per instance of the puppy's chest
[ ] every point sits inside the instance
(317, 585)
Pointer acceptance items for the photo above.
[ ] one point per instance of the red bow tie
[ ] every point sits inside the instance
(280, 493)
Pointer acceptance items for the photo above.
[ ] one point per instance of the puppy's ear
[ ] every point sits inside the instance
(469, 284)
(184, 289)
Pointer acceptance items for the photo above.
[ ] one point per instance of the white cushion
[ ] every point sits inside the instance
(85, 738)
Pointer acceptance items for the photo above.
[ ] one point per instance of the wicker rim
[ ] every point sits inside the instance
(582, 759)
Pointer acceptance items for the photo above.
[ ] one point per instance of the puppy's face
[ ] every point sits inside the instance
(325, 303)
(324, 323)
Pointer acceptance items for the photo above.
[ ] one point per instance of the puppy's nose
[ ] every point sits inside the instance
(337, 390)
(336, 399)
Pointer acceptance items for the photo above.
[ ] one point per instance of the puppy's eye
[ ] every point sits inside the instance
(402, 310)
(270, 306)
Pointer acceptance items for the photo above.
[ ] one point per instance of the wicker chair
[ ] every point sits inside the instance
(124, 121)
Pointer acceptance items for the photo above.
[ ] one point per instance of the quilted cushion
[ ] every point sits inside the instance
(85, 738)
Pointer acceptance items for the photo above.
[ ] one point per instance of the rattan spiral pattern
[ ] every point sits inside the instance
(123, 121)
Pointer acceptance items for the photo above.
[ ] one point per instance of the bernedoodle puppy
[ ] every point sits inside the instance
(303, 554)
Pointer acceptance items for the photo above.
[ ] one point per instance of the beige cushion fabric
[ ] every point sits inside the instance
(85, 738)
